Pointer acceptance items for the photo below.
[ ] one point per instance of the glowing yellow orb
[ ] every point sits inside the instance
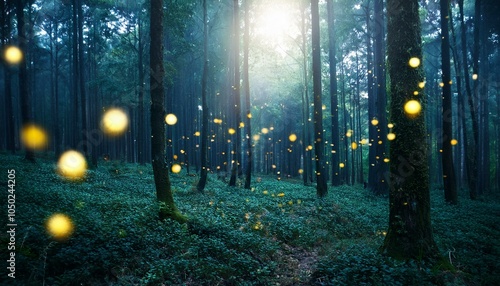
(292, 137)
(301, 171)
(310, 147)
(474, 76)
(171, 119)
(197, 133)
(441, 84)
(363, 141)
(264, 130)
(256, 137)
(421, 84)
(34, 137)
(348, 134)
(242, 124)
(390, 125)
(59, 226)
(386, 160)
(341, 165)
(114, 122)
(391, 136)
(454, 142)
(176, 168)
(249, 115)
(72, 165)
(374, 121)
(231, 131)
(412, 108)
(13, 55)
(354, 145)
(415, 92)
(414, 62)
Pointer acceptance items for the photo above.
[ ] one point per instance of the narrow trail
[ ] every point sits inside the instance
(296, 265)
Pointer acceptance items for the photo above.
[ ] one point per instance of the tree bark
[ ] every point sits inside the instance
(246, 82)
(235, 169)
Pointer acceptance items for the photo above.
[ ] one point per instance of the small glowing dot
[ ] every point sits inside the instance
(242, 124)
(386, 160)
(341, 165)
(390, 125)
(114, 122)
(374, 121)
(380, 142)
(391, 136)
(415, 92)
(59, 226)
(412, 108)
(231, 131)
(72, 165)
(264, 130)
(197, 133)
(281, 195)
(348, 134)
(171, 119)
(176, 168)
(13, 55)
(292, 137)
(474, 76)
(363, 141)
(256, 137)
(34, 137)
(421, 84)
(454, 142)
(301, 171)
(354, 145)
(265, 192)
(414, 62)
(249, 115)
(310, 147)
(441, 84)
(323, 107)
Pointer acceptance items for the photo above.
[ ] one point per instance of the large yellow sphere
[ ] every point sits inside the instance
(414, 62)
(454, 142)
(391, 136)
(171, 119)
(59, 226)
(341, 165)
(412, 108)
(264, 130)
(72, 165)
(34, 137)
(176, 168)
(292, 137)
(374, 121)
(114, 122)
(231, 131)
(354, 145)
(13, 55)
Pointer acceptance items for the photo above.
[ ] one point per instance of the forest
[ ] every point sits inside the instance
(250, 142)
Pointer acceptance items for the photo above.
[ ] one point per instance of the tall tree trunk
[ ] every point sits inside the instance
(476, 95)
(160, 169)
(246, 81)
(86, 147)
(142, 138)
(334, 102)
(321, 187)
(450, 187)
(235, 170)
(5, 26)
(306, 137)
(204, 121)
(410, 234)
(24, 82)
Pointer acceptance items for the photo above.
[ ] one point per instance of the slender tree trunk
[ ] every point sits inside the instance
(306, 138)
(142, 138)
(235, 170)
(160, 169)
(476, 95)
(335, 144)
(450, 187)
(204, 121)
(86, 147)
(5, 27)
(246, 81)
(321, 187)
(410, 234)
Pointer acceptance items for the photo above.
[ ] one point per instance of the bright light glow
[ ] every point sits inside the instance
(310, 147)
(374, 121)
(301, 171)
(292, 137)
(231, 131)
(412, 108)
(275, 20)
(474, 76)
(197, 133)
(386, 160)
(176, 168)
(34, 137)
(59, 226)
(264, 130)
(390, 125)
(363, 141)
(421, 84)
(256, 137)
(348, 134)
(13, 55)
(414, 62)
(454, 142)
(391, 136)
(171, 119)
(72, 165)
(354, 145)
(341, 165)
(114, 122)
(217, 121)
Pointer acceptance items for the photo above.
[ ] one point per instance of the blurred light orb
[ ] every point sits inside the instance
(391, 136)
(474, 76)
(176, 168)
(72, 165)
(171, 119)
(421, 84)
(412, 108)
(374, 121)
(354, 145)
(414, 62)
(309, 147)
(231, 131)
(59, 226)
(264, 130)
(341, 165)
(390, 125)
(363, 141)
(114, 122)
(348, 134)
(34, 137)
(13, 55)
(197, 133)
(386, 160)
(454, 142)
(292, 137)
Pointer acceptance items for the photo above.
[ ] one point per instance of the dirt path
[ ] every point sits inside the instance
(296, 265)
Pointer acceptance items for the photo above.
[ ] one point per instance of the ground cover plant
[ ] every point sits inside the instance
(277, 233)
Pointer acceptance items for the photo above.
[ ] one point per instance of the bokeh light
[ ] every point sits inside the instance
(391, 136)
(412, 108)
(292, 137)
(454, 142)
(197, 133)
(386, 160)
(13, 55)
(34, 137)
(474, 76)
(59, 226)
(114, 122)
(171, 119)
(414, 62)
(390, 125)
(341, 165)
(354, 145)
(231, 131)
(421, 84)
(374, 121)
(176, 168)
(264, 130)
(72, 165)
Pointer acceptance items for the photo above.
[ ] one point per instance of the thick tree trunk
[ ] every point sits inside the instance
(321, 187)
(410, 234)
(160, 169)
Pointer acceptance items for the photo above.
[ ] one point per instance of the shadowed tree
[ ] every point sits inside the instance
(410, 234)
(246, 82)
(321, 187)
(158, 154)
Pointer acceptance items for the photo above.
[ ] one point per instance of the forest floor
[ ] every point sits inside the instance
(277, 233)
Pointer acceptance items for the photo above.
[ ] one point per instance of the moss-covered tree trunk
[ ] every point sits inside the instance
(410, 234)
(160, 168)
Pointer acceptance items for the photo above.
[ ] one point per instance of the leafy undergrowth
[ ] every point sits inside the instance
(277, 233)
